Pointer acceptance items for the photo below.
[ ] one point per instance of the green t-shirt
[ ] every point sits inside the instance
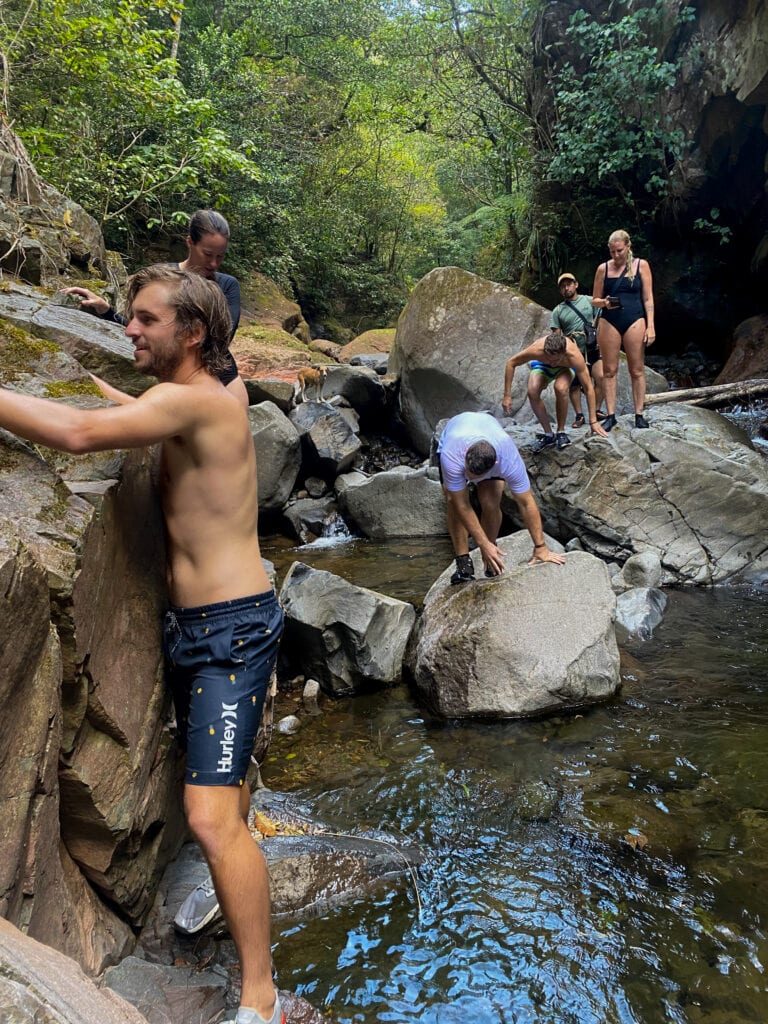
(570, 323)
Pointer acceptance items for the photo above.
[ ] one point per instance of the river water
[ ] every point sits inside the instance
(607, 867)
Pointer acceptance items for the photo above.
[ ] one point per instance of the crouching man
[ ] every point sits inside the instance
(222, 629)
(475, 450)
(554, 358)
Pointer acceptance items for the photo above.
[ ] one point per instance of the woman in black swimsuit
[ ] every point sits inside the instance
(623, 289)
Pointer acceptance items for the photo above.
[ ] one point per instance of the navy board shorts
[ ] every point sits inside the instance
(218, 662)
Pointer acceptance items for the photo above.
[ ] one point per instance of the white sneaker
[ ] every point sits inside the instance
(198, 909)
(246, 1016)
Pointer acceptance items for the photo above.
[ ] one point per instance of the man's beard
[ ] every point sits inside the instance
(163, 365)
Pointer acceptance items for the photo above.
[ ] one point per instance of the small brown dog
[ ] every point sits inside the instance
(312, 376)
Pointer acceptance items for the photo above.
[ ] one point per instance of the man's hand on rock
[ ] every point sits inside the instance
(541, 553)
(493, 558)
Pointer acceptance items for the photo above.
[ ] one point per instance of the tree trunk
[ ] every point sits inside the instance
(713, 395)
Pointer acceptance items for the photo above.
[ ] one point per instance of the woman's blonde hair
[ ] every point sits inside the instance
(623, 236)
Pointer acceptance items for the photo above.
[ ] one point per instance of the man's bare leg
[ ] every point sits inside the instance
(537, 382)
(456, 530)
(215, 816)
(562, 388)
(489, 495)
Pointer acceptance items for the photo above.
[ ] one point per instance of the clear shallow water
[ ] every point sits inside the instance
(606, 867)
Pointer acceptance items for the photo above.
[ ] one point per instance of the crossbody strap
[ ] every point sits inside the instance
(579, 314)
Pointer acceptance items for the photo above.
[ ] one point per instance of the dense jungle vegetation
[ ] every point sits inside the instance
(353, 144)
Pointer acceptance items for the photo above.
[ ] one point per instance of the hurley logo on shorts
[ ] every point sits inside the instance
(229, 714)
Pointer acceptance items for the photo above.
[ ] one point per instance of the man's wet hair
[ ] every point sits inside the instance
(207, 222)
(480, 457)
(194, 300)
(554, 343)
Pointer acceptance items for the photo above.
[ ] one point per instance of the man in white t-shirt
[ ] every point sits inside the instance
(474, 449)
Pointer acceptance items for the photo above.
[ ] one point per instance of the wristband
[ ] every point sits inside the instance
(593, 422)
(542, 545)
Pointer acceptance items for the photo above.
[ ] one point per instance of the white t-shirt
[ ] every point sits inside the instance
(464, 430)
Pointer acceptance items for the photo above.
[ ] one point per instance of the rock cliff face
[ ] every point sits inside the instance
(91, 779)
(721, 103)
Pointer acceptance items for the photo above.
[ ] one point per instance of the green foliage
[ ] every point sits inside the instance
(615, 124)
(95, 96)
(710, 226)
(353, 146)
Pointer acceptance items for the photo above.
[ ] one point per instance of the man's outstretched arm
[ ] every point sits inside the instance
(522, 357)
(583, 377)
(159, 413)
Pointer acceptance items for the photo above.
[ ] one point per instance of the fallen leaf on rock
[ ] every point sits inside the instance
(636, 840)
(264, 824)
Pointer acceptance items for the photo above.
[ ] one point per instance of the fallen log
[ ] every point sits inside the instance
(713, 395)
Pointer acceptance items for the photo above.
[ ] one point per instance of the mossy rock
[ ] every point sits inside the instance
(257, 336)
(22, 354)
(379, 340)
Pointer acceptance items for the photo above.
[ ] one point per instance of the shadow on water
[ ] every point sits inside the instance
(608, 867)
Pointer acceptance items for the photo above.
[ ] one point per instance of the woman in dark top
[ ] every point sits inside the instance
(623, 289)
(207, 241)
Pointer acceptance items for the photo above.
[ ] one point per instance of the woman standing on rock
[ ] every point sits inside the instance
(623, 290)
(207, 242)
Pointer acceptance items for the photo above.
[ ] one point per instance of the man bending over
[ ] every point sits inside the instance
(222, 629)
(474, 449)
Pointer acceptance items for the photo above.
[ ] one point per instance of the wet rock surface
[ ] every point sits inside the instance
(311, 870)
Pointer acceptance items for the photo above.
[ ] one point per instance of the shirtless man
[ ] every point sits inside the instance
(475, 449)
(222, 629)
(554, 358)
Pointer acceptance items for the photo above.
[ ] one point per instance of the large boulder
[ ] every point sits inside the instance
(691, 489)
(638, 612)
(261, 351)
(349, 638)
(263, 303)
(121, 818)
(330, 443)
(378, 340)
(535, 640)
(360, 386)
(94, 814)
(270, 389)
(278, 454)
(43, 235)
(749, 354)
(98, 346)
(312, 517)
(453, 339)
(399, 502)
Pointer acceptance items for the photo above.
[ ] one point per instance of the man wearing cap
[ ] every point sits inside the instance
(570, 317)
